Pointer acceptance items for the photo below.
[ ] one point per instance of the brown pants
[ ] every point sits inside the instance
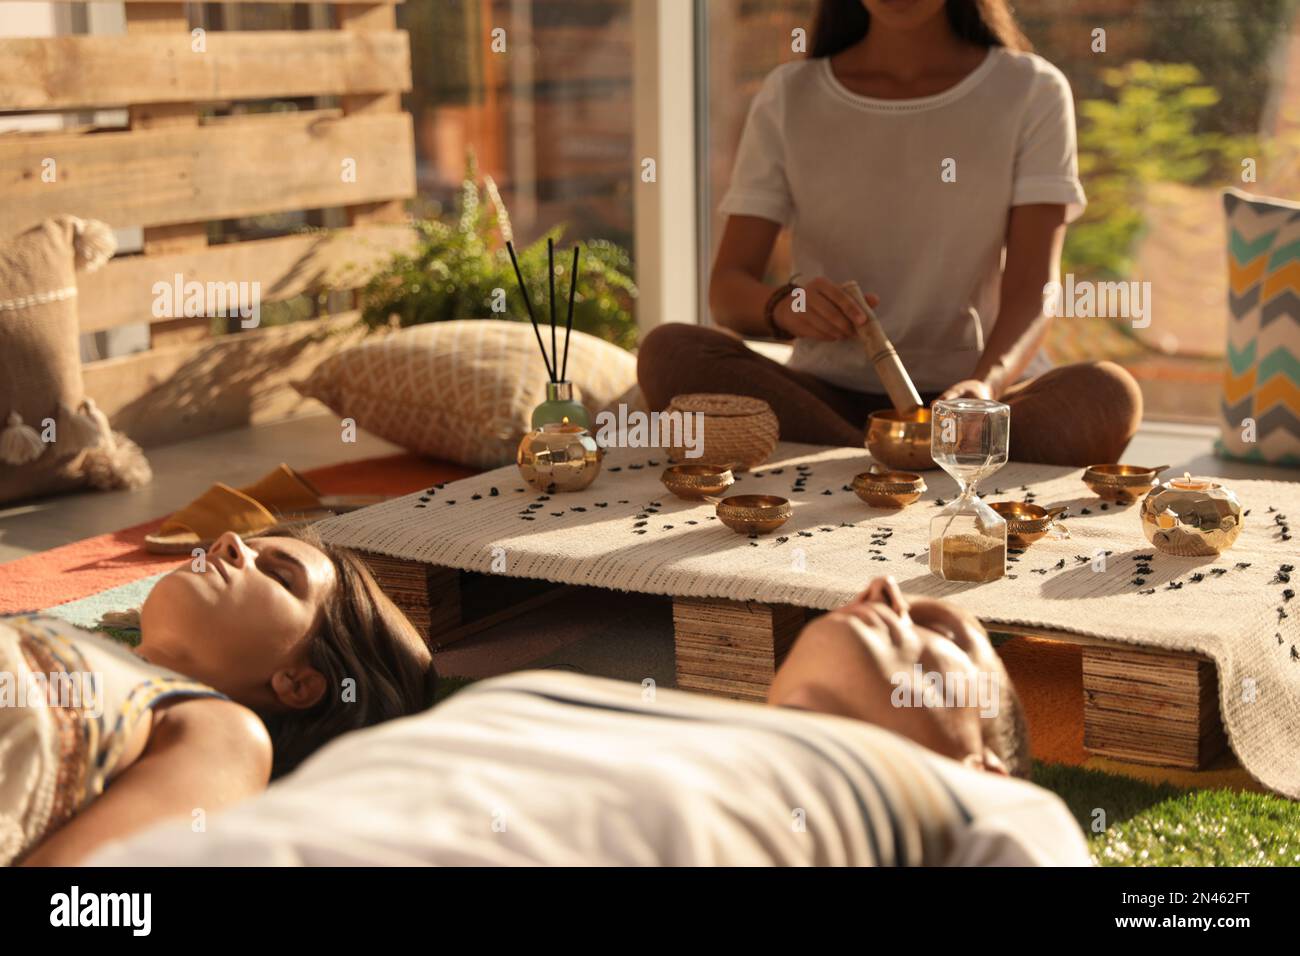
(1073, 415)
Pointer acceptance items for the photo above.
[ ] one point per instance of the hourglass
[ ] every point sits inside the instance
(968, 539)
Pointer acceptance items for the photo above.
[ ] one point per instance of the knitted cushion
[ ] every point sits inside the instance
(461, 391)
(1261, 384)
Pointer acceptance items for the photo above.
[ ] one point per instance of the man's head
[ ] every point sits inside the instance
(921, 668)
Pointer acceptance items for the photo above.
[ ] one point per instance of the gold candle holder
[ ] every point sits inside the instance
(559, 457)
(1191, 517)
(1026, 523)
(1122, 484)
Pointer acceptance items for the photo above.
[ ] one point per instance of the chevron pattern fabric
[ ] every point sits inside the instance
(461, 391)
(1261, 377)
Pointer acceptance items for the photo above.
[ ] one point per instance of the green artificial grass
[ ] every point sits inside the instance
(1143, 824)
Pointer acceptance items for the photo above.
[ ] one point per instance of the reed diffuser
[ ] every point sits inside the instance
(560, 406)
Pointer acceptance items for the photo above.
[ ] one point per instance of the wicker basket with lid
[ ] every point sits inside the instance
(738, 431)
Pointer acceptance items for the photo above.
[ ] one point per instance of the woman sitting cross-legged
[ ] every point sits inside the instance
(922, 152)
(275, 647)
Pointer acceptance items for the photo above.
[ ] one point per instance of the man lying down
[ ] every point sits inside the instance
(852, 763)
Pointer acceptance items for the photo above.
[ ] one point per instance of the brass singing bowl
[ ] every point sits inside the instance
(888, 489)
(754, 514)
(1026, 523)
(694, 482)
(900, 441)
(1123, 484)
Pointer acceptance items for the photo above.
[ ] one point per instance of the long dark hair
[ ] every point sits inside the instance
(364, 637)
(841, 23)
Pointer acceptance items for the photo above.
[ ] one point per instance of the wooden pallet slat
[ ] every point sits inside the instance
(1151, 707)
(122, 292)
(157, 177)
(83, 72)
(732, 648)
(174, 392)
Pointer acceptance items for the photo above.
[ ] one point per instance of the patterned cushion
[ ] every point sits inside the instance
(1261, 381)
(461, 391)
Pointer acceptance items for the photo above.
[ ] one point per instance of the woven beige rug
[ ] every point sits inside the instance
(627, 532)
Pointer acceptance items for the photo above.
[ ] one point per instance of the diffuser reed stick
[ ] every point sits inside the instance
(550, 276)
(568, 325)
(523, 288)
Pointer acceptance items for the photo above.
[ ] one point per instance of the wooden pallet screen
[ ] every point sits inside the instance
(174, 170)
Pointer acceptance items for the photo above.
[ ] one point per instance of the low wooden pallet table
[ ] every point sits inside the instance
(1139, 705)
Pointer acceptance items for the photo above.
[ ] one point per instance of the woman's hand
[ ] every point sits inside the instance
(969, 388)
(829, 313)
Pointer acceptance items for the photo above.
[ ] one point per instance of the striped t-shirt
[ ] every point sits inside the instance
(555, 768)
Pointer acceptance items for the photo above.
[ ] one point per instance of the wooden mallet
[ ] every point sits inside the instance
(898, 384)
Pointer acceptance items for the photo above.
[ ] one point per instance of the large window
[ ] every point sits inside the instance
(550, 120)
(1184, 91)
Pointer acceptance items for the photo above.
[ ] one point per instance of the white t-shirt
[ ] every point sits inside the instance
(861, 183)
(558, 769)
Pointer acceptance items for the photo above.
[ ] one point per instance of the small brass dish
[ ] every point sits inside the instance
(693, 482)
(754, 514)
(901, 441)
(1123, 484)
(888, 489)
(1026, 523)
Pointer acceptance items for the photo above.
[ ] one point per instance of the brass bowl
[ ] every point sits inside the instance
(888, 489)
(559, 457)
(1191, 517)
(1026, 523)
(901, 441)
(1123, 484)
(754, 514)
(693, 482)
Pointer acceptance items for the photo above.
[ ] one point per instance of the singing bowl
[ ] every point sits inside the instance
(754, 514)
(900, 441)
(693, 482)
(888, 489)
(1123, 484)
(1026, 523)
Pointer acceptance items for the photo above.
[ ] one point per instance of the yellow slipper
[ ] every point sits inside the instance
(279, 500)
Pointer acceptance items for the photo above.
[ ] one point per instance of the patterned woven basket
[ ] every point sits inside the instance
(738, 431)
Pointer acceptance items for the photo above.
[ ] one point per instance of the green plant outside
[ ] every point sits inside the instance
(460, 270)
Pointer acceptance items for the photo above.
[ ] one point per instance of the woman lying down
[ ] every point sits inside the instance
(852, 763)
(245, 667)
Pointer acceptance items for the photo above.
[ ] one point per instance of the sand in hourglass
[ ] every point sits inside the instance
(968, 557)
